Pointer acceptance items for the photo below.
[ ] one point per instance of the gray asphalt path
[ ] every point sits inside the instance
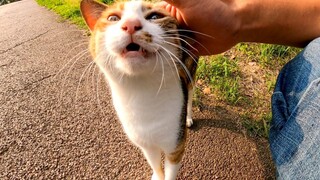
(57, 121)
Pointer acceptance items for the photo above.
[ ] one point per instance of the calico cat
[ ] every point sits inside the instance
(143, 55)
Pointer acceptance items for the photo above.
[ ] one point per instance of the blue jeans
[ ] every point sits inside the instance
(295, 127)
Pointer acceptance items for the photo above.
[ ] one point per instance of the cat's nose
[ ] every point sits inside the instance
(131, 25)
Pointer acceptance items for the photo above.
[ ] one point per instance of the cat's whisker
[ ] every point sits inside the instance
(120, 76)
(191, 31)
(96, 82)
(81, 77)
(107, 60)
(174, 65)
(111, 67)
(182, 65)
(157, 59)
(80, 55)
(62, 89)
(172, 60)
(66, 64)
(93, 79)
(169, 62)
(192, 39)
(163, 80)
(108, 64)
(185, 50)
(178, 38)
(98, 94)
(90, 73)
(196, 41)
(67, 31)
(83, 42)
(163, 75)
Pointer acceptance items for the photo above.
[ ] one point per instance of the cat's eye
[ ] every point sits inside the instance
(113, 18)
(154, 16)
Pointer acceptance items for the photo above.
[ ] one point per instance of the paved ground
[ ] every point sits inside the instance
(58, 123)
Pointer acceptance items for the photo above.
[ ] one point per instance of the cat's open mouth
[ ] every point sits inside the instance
(133, 50)
(133, 47)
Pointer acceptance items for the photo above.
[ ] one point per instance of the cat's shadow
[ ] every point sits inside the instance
(219, 117)
(214, 116)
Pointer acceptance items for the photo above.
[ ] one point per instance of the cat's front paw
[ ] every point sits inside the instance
(189, 122)
(156, 177)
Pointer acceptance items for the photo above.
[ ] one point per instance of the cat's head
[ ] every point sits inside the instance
(132, 37)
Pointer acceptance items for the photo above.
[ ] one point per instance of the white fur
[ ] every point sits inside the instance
(146, 93)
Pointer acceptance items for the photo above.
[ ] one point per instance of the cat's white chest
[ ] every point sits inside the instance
(148, 114)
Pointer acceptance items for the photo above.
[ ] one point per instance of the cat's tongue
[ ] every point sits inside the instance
(133, 50)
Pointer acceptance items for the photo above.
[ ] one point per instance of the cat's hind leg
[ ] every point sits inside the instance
(189, 120)
(153, 156)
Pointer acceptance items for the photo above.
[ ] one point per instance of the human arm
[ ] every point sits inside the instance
(287, 22)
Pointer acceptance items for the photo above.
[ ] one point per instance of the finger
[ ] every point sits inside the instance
(162, 4)
(176, 3)
(174, 12)
(169, 8)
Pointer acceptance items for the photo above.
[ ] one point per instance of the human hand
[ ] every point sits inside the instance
(213, 21)
(228, 22)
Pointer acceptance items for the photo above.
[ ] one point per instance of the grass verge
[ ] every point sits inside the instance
(67, 9)
(242, 80)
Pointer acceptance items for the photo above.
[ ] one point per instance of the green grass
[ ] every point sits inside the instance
(267, 55)
(270, 52)
(67, 9)
(221, 75)
(257, 127)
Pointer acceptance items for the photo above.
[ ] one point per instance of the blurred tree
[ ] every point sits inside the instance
(2, 2)
(107, 1)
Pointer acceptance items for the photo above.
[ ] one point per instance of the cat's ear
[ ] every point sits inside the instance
(91, 11)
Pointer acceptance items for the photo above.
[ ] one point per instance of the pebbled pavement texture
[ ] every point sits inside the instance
(57, 121)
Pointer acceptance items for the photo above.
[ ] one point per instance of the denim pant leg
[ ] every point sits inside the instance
(295, 127)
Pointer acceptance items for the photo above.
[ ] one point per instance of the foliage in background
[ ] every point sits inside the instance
(107, 1)
(223, 78)
(3, 2)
